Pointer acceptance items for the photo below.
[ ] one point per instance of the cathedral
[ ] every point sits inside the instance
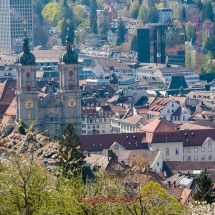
(53, 111)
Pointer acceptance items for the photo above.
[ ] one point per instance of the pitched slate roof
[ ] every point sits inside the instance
(133, 120)
(94, 143)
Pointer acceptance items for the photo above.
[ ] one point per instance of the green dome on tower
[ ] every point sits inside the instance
(26, 58)
(68, 56)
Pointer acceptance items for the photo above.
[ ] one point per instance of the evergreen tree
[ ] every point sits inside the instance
(121, 31)
(67, 23)
(153, 15)
(182, 14)
(207, 12)
(144, 14)
(70, 157)
(134, 9)
(204, 191)
(199, 5)
(85, 2)
(93, 16)
(133, 46)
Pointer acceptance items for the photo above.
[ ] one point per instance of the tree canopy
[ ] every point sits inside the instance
(121, 31)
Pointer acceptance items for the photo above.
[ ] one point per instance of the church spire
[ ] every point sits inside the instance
(25, 42)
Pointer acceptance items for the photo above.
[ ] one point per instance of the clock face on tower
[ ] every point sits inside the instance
(71, 103)
(29, 104)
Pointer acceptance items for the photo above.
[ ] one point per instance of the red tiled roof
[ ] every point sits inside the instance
(159, 104)
(94, 143)
(142, 109)
(196, 137)
(158, 125)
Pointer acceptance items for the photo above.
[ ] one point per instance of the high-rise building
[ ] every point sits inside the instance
(15, 16)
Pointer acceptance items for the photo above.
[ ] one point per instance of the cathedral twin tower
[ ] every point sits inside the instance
(52, 112)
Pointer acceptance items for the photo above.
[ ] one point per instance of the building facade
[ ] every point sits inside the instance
(15, 16)
(52, 111)
(165, 15)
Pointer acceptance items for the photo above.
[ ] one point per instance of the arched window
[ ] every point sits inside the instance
(28, 87)
(28, 74)
(71, 86)
(70, 73)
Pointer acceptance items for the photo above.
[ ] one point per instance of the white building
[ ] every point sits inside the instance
(173, 108)
(165, 15)
(96, 120)
(15, 16)
(165, 72)
(97, 82)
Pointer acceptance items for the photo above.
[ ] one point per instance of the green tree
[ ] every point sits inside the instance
(121, 31)
(153, 199)
(190, 58)
(79, 15)
(24, 182)
(70, 157)
(104, 26)
(190, 31)
(40, 32)
(93, 16)
(182, 15)
(134, 9)
(199, 5)
(144, 14)
(153, 15)
(85, 2)
(133, 45)
(207, 12)
(52, 13)
(204, 188)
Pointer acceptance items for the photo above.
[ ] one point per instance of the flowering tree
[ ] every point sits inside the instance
(201, 208)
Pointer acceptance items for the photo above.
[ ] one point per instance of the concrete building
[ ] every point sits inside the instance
(165, 15)
(15, 16)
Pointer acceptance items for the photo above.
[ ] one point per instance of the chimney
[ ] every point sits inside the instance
(174, 184)
(169, 184)
(179, 174)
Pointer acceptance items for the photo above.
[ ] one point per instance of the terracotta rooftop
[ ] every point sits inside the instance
(142, 109)
(133, 120)
(158, 125)
(159, 104)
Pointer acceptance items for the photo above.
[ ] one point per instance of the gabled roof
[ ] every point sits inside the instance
(133, 120)
(159, 104)
(158, 125)
(95, 143)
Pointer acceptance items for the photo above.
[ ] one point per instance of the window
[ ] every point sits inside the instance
(195, 149)
(116, 147)
(203, 157)
(172, 111)
(89, 127)
(97, 126)
(167, 151)
(28, 87)
(103, 126)
(210, 149)
(189, 158)
(71, 86)
(103, 131)
(209, 157)
(84, 125)
(209, 142)
(104, 120)
(83, 131)
(28, 74)
(89, 132)
(172, 105)
(203, 149)
(168, 111)
(93, 126)
(177, 151)
(157, 150)
(196, 157)
(157, 163)
(188, 150)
